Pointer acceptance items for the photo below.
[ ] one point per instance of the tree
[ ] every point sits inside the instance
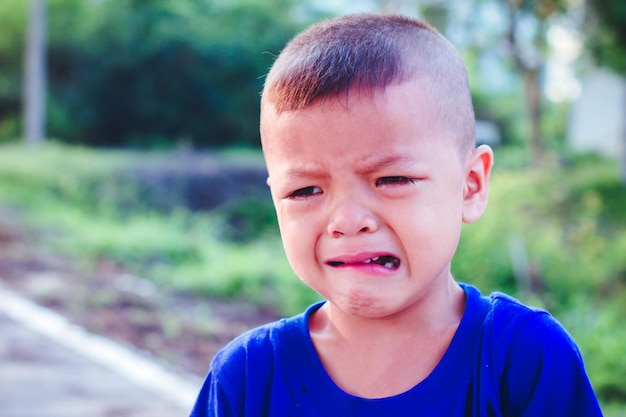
(34, 82)
(524, 31)
(160, 72)
(528, 55)
(608, 44)
(12, 45)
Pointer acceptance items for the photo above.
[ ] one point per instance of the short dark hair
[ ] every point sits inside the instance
(370, 52)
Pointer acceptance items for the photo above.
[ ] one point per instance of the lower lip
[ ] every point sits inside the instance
(373, 269)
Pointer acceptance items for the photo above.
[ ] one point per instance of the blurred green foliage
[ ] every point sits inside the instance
(149, 73)
(86, 203)
(159, 73)
(554, 237)
(608, 41)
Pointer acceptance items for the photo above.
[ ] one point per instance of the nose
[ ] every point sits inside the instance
(350, 218)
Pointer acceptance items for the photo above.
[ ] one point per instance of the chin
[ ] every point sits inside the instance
(363, 304)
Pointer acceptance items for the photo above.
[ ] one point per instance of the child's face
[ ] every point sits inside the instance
(370, 198)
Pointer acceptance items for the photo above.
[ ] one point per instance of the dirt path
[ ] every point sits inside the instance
(183, 330)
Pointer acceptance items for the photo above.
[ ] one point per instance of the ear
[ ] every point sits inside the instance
(476, 189)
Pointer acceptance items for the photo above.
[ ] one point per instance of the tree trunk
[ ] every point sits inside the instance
(532, 91)
(623, 162)
(529, 67)
(34, 81)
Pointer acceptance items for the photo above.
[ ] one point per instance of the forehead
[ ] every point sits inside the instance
(361, 129)
(407, 105)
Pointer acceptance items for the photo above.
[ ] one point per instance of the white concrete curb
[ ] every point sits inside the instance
(109, 354)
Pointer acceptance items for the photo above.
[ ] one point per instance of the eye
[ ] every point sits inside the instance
(394, 180)
(305, 192)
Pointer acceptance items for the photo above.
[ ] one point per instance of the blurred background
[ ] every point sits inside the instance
(132, 188)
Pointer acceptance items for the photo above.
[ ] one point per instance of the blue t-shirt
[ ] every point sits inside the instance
(505, 359)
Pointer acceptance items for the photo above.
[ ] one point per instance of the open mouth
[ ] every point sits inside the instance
(387, 261)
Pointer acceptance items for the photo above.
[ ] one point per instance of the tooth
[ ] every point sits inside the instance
(375, 259)
(389, 265)
(368, 261)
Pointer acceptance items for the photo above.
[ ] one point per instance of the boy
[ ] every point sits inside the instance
(367, 129)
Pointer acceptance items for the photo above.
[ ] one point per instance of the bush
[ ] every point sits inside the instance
(148, 74)
(554, 237)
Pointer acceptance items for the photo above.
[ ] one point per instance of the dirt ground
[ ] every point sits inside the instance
(183, 330)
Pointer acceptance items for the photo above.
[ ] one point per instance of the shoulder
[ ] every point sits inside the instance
(518, 333)
(256, 342)
(257, 350)
(244, 373)
(537, 363)
(505, 321)
(255, 347)
(532, 329)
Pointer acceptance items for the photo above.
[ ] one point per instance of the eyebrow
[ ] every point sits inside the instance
(368, 165)
(296, 173)
(380, 163)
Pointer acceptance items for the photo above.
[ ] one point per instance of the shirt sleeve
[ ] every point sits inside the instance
(239, 382)
(213, 400)
(544, 374)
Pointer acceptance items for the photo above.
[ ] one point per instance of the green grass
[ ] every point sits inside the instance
(554, 237)
(74, 201)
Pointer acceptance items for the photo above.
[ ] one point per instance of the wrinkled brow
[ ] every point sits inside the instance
(378, 163)
(295, 173)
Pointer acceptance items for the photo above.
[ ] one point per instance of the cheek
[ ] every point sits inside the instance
(431, 232)
(299, 243)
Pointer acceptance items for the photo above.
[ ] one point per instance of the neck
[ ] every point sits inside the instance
(375, 358)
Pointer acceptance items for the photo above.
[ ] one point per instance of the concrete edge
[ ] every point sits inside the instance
(111, 355)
